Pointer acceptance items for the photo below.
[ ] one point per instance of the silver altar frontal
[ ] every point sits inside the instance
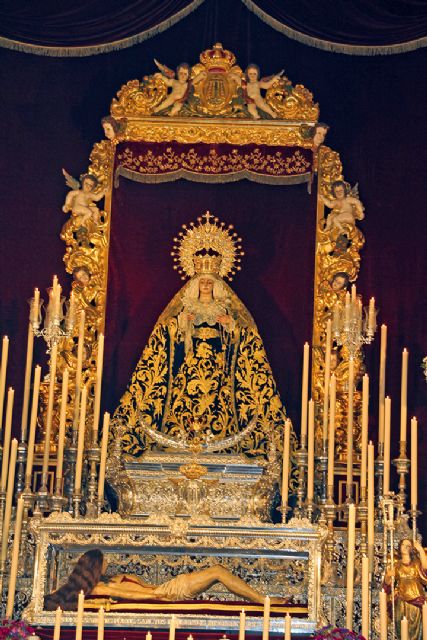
(278, 560)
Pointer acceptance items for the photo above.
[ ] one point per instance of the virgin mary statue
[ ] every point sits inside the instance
(205, 359)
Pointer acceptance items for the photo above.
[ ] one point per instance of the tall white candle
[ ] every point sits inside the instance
(387, 436)
(285, 467)
(266, 619)
(98, 385)
(365, 421)
(404, 396)
(172, 627)
(103, 461)
(331, 438)
(404, 630)
(351, 529)
(242, 625)
(15, 558)
(326, 380)
(6, 440)
(365, 597)
(101, 623)
(414, 463)
(371, 315)
(9, 499)
(80, 442)
(79, 619)
(425, 621)
(310, 452)
(62, 420)
(33, 424)
(381, 399)
(79, 366)
(57, 628)
(371, 504)
(350, 415)
(3, 369)
(27, 382)
(383, 615)
(288, 626)
(304, 393)
(49, 414)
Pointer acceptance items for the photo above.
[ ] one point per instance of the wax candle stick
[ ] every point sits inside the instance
(98, 385)
(62, 419)
(383, 615)
(49, 413)
(404, 396)
(242, 625)
(414, 464)
(103, 461)
(350, 415)
(310, 452)
(285, 467)
(347, 307)
(326, 379)
(33, 424)
(172, 627)
(350, 565)
(79, 366)
(288, 626)
(57, 628)
(79, 619)
(331, 438)
(404, 630)
(304, 393)
(80, 442)
(3, 369)
(6, 441)
(371, 504)
(387, 436)
(381, 399)
(148, 636)
(101, 623)
(266, 619)
(364, 438)
(15, 558)
(365, 597)
(371, 315)
(425, 621)
(8, 503)
(27, 382)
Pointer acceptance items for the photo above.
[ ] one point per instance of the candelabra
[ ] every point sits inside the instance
(349, 328)
(57, 324)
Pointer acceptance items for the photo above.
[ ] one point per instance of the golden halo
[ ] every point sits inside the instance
(207, 247)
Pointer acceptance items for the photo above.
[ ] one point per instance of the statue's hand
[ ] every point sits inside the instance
(419, 547)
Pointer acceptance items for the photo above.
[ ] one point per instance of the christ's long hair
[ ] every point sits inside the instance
(84, 577)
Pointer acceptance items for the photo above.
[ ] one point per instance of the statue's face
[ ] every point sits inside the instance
(252, 74)
(406, 546)
(334, 360)
(339, 192)
(319, 135)
(183, 74)
(82, 277)
(338, 283)
(108, 130)
(206, 285)
(88, 185)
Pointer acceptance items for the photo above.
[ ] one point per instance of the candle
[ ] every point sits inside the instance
(285, 468)
(387, 435)
(103, 461)
(365, 420)
(80, 442)
(304, 393)
(310, 452)
(27, 382)
(98, 385)
(266, 619)
(425, 621)
(49, 415)
(79, 365)
(8, 503)
(404, 630)
(101, 623)
(371, 504)
(350, 428)
(57, 302)
(365, 597)
(350, 565)
(381, 399)
(326, 381)
(3, 368)
(371, 315)
(242, 625)
(288, 625)
(331, 439)
(383, 615)
(79, 619)
(6, 441)
(172, 627)
(414, 464)
(404, 396)
(15, 558)
(148, 636)
(347, 308)
(353, 293)
(61, 433)
(33, 424)
(57, 628)
(34, 307)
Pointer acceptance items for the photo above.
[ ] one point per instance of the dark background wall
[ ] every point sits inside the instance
(50, 111)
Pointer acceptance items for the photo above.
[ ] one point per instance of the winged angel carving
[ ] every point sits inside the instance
(80, 201)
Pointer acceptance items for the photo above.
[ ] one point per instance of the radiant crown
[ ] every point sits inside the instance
(217, 58)
(207, 247)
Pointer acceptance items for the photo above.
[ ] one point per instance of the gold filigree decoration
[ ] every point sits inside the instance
(292, 103)
(139, 99)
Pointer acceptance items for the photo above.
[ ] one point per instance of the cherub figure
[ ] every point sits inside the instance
(111, 127)
(346, 206)
(80, 200)
(180, 86)
(252, 85)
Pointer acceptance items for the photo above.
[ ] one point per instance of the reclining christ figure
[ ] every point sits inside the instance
(90, 567)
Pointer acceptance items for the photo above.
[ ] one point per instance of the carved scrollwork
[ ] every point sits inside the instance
(136, 99)
(292, 103)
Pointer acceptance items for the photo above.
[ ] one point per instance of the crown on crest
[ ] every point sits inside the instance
(217, 58)
(207, 247)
